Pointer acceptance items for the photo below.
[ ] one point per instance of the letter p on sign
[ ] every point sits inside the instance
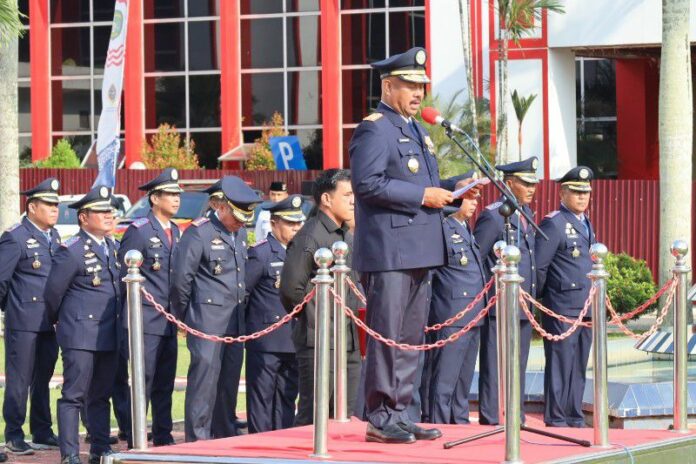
(287, 153)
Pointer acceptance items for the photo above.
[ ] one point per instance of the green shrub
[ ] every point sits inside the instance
(166, 150)
(62, 156)
(630, 282)
(261, 156)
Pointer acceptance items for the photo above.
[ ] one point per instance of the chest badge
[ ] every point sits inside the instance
(429, 143)
(464, 260)
(456, 238)
(576, 252)
(96, 281)
(217, 270)
(156, 266)
(413, 165)
(36, 264)
(276, 284)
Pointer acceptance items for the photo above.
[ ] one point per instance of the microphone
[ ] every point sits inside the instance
(432, 116)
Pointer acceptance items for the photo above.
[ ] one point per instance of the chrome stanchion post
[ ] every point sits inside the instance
(498, 271)
(599, 276)
(340, 271)
(322, 340)
(680, 270)
(511, 281)
(134, 259)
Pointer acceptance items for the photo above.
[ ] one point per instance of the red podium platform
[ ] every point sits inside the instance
(347, 445)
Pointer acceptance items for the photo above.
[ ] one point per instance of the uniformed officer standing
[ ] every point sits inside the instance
(271, 366)
(521, 179)
(84, 299)
(563, 263)
(156, 236)
(30, 340)
(398, 238)
(278, 191)
(455, 285)
(207, 293)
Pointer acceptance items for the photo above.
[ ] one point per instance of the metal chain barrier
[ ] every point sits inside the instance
(526, 296)
(356, 291)
(405, 346)
(575, 324)
(618, 320)
(229, 339)
(463, 312)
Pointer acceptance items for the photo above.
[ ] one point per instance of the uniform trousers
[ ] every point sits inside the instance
(271, 390)
(211, 398)
(88, 377)
(305, 367)
(396, 308)
(488, 369)
(30, 358)
(452, 370)
(564, 374)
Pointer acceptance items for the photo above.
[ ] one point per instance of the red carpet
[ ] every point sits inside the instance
(347, 443)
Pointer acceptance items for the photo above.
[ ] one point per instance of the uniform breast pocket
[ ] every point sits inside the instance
(573, 248)
(209, 299)
(36, 261)
(457, 255)
(88, 316)
(217, 262)
(411, 161)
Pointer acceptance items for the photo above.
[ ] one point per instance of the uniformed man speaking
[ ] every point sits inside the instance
(398, 238)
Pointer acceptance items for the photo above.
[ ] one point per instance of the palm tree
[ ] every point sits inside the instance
(517, 19)
(521, 105)
(465, 21)
(10, 29)
(675, 130)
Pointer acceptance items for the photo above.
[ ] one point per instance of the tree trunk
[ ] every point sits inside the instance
(675, 131)
(501, 143)
(519, 141)
(465, 20)
(9, 133)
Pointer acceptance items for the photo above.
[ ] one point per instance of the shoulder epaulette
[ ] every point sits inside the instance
(71, 241)
(495, 205)
(13, 227)
(199, 221)
(138, 223)
(259, 243)
(552, 214)
(373, 117)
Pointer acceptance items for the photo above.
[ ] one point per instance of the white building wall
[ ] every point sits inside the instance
(562, 124)
(448, 71)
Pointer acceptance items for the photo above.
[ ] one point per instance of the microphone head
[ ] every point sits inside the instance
(430, 115)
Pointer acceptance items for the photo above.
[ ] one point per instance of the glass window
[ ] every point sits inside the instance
(70, 11)
(102, 36)
(250, 136)
(23, 6)
(203, 47)
(311, 144)
(23, 69)
(261, 7)
(24, 106)
(103, 10)
(597, 148)
(361, 94)
(81, 143)
(24, 151)
(303, 5)
(303, 36)
(360, 4)
(204, 99)
(166, 42)
(207, 148)
(262, 95)
(73, 96)
(406, 3)
(70, 51)
(159, 9)
(364, 36)
(203, 8)
(262, 43)
(600, 88)
(169, 96)
(406, 30)
(304, 97)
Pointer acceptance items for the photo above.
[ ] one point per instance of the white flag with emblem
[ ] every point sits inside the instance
(108, 143)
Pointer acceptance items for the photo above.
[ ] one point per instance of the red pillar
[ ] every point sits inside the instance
(39, 51)
(133, 84)
(230, 76)
(331, 83)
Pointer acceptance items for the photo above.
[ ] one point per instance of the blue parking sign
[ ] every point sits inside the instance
(287, 153)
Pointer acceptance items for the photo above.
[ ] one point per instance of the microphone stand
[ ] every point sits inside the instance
(507, 209)
(488, 171)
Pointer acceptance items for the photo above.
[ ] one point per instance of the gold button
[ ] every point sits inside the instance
(277, 318)
(33, 298)
(90, 316)
(572, 285)
(239, 285)
(464, 293)
(239, 269)
(209, 300)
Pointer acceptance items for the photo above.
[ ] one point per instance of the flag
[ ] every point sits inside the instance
(108, 143)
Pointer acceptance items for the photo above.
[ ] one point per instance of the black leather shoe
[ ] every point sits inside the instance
(241, 424)
(19, 447)
(577, 425)
(96, 458)
(168, 442)
(419, 432)
(71, 459)
(123, 436)
(391, 433)
(112, 440)
(47, 443)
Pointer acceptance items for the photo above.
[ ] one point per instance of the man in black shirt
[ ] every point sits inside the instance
(333, 195)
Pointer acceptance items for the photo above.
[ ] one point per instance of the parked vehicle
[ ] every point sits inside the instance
(67, 225)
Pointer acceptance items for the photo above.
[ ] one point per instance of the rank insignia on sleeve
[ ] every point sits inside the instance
(138, 223)
(552, 214)
(199, 221)
(71, 241)
(373, 117)
(495, 205)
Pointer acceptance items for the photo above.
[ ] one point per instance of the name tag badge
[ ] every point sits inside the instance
(217, 247)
